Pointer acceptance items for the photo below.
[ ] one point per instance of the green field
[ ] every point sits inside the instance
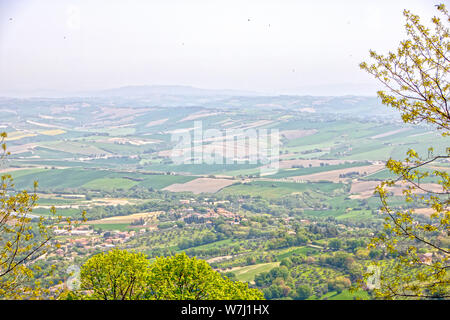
(91, 179)
(276, 189)
(248, 273)
(345, 295)
(306, 171)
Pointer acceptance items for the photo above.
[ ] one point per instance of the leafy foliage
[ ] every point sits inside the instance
(115, 275)
(417, 78)
(122, 275)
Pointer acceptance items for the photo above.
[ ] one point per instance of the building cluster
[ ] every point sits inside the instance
(84, 238)
(230, 217)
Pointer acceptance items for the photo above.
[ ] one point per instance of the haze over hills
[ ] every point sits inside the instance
(189, 96)
(142, 91)
(165, 90)
(137, 91)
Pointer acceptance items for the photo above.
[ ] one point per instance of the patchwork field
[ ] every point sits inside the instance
(54, 132)
(201, 185)
(146, 216)
(294, 172)
(307, 224)
(92, 179)
(337, 175)
(365, 189)
(287, 164)
(276, 189)
(295, 134)
(248, 273)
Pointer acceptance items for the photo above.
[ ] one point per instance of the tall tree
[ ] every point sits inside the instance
(122, 275)
(417, 84)
(183, 278)
(115, 275)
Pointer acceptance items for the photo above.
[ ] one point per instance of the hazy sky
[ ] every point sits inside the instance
(274, 46)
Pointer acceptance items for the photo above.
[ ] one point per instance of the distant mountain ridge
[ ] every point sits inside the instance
(137, 91)
(166, 90)
(161, 91)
